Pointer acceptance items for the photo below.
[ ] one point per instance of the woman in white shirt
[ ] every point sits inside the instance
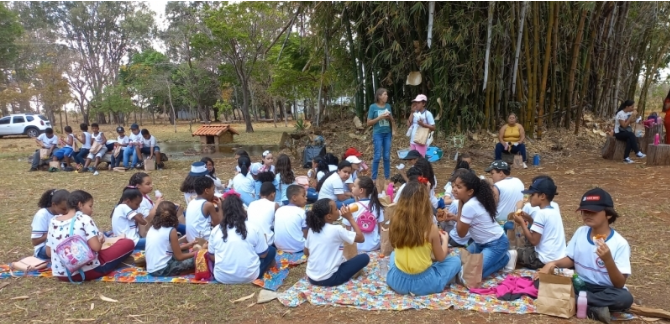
(625, 116)
(420, 117)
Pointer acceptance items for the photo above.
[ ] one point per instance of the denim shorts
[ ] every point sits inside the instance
(430, 281)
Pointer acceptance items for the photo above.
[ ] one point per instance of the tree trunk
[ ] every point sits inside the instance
(658, 154)
(573, 66)
(488, 40)
(172, 106)
(245, 106)
(522, 18)
(545, 69)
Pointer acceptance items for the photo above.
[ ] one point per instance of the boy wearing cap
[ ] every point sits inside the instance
(121, 141)
(135, 139)
(600, 256)
(546, 234)
(420, 118)
(507, 189)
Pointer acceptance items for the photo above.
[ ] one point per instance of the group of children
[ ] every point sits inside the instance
(88, 149)
(243, 224)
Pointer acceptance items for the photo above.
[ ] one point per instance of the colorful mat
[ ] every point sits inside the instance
(272, 280)
(369, 292)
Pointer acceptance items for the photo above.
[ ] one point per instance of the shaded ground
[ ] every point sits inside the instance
(638, 192)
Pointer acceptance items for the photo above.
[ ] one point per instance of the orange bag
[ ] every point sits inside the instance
(203, 266)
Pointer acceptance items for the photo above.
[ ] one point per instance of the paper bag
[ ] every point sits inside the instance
(117, 150)
(421, 135)
(44, 154)
(350, 250)
(389, 211)
(386, 247)
(149, 165)
(385, 200)
(556, 296)
(473, 265)
(95, 148)
(518, 162)
(54, 164)
(29, 263)
(515, 236)
(381, 185)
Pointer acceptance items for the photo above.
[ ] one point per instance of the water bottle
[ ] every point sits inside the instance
(581, 305)
(383, 268)
(657, 139)
(536, 160)
(577, 283)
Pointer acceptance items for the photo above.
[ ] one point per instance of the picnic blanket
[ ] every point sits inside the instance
(130, 273)
(369, 292)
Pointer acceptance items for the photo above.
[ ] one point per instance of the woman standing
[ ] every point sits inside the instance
(625, 116)
(383, 127)
(420, 117)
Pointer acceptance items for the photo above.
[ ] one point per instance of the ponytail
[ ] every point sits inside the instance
(53, 197)
(129, 193)
(244, 162)
(368, 185)
(323, 179)
(316, 216)
(625, 104)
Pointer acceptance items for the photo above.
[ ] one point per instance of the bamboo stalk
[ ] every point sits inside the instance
(522, 17)
(573, 65)
(545, 69)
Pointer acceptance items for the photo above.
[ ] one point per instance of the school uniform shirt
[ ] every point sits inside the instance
(48, 142)
(548, 223)
(158, 250)
(87, 141)
(197, 225)
(98, 138)
(135, 139)
(509, 190)
(325, 250)
(320, 175)
(289, 222)
(453, 234)
(60, 230)
(123, 141)
(425, 116)
(588, 265)
(40, 226)
(331, 187)
(266, 169)
(373, 238)
(242, 183)
(332, 168)
(482, 228)
(396, 196)
(351, 180)
(280, 188)
(145, 206)
(71, 136)
(261, 213)
(124, 224)
(621, 115)
(236, 260)
(530, 210)
(151, 142)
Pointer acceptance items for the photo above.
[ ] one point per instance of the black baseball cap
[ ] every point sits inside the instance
(134, 126)
(413, 154)
(120, 129)
(498, 165)
(596, 200)
(542, 185)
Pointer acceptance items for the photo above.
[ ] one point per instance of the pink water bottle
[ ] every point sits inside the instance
(657, 139)
(581, 305)
(389, 191)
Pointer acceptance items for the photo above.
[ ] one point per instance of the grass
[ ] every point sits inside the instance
(643, 223)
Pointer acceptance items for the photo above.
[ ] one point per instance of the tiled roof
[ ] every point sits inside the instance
(214, 130)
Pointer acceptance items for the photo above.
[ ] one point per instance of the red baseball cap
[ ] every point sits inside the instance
(352, 152)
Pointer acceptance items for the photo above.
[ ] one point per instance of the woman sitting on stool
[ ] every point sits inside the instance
(625, 116)
(512, 138)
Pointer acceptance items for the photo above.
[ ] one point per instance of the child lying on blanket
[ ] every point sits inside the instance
(325, 266)
(600, 256)
(164, 255)
(53, 202)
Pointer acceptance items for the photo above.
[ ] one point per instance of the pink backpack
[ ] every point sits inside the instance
(366, 221)
(74, 253)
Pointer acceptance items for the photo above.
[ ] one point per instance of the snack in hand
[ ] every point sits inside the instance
(599, 238)
(353, 207)
(518, 212)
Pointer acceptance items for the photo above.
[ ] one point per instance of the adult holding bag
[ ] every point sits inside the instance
(420, 123)
(625, 117)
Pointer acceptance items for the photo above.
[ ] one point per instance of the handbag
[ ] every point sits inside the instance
(421, 135)
(74, 253)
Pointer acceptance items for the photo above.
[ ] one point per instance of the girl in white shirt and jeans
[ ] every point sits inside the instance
(625, 116)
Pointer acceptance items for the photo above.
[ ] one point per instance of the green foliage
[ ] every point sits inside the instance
(10, 30)
(300, 125)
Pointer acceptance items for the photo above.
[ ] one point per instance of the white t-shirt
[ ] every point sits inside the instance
(425, 116)
(242, 183)
(325, 250)
(145, 206)
(332, 168)
(548, 223)
(589, 266)
(98, 138)
(482, 228)
(397, 194)
(197, 225)
(40, 226)
(289, 223)
(151, 142)
(351, 180)
(124, 224)
(60, 230)
(453, 234)
(134, 139)
(509, 190)
(158, 250)
(320, 175)
(236, 261)
(48, 142)
(70, 137)
(123, 141)
(331, 187)
(373, 238)
(262, 214)
(530, 210)
(87, 141)
(621, 115)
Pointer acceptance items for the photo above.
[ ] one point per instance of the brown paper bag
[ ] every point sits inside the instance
(381, 185)
(117, 150)
(95, 148)
(54, 164)
(149, 165)
(29, 263)
(389, 211)
(385, 201)
(386, 247)
(518, 162)
(421, 135)
(44, 154)
(473, 265)
(350, 250)
(650, 312)
(556, 296)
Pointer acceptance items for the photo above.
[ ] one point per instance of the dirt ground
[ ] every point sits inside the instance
(637, 190)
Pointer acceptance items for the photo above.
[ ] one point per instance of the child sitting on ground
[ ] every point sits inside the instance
(368, 203)
(143, 183)
(53, 202)
(240, 251)
(164, 253)
(243, 182)
(198, 169)
(331, 185)
(78, 221)
(546, 233)
(203, 212)
(598, 246)
(262, 211)
(290, 221)
(266, 162)
(323, 247)
(126, 219)
(98, 137)
(283, 178)
(238, 154)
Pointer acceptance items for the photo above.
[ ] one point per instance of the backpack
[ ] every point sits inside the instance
(74, 253)
(366, 221)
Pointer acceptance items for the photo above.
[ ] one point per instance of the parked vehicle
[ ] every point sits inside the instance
(23, 124)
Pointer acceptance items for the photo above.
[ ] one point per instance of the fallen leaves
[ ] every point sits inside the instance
(243, 298)
(107, 299)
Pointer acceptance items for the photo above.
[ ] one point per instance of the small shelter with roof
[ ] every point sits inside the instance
(215, 134)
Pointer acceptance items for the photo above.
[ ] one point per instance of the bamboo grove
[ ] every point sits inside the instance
(548, 62)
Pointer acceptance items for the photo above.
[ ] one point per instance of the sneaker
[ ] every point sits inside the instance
(511, 264)
(83, 170)
(601, 314)
(628, 161)
(641, 155)
(525, 166)
(32, 169)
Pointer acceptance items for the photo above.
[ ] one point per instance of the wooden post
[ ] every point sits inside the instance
(650, 134)
(658, 154)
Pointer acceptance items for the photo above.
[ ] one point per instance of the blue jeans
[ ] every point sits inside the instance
(495, 255)
(346, 270)
(430, 281)
(115, 161)
(267, 260)
(382, 149)
(147, 150)
(128, 152)
(520, 148)
(312, 195)
(141, 244)
(80, 158)
(42, 253)
(344, 202)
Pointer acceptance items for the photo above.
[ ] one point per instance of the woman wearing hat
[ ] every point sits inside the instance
(420, 117)
(383, 127)
(511, 139)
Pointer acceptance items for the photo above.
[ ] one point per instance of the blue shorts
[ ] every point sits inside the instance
(147, 150)
(63, 152)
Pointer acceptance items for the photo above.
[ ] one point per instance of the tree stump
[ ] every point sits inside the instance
(658, 154)
(649, 135)
(613, 149)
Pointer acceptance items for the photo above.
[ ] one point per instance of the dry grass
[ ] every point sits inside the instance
(635, 188)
